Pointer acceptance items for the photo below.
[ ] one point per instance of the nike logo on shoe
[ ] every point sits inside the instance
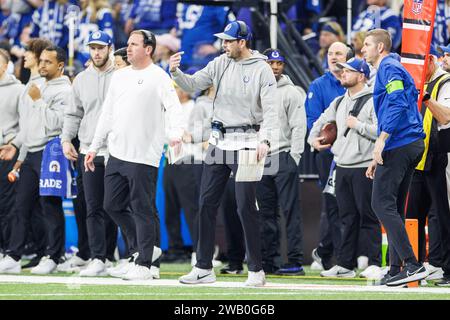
(199, 278)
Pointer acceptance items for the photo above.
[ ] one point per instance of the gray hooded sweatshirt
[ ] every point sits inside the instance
(199, 124)
(10, 91)
(43, 119)
(81, 116)
(246, 91)
(291, 119)
(355, 150)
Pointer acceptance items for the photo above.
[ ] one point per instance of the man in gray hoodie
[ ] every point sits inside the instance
(356, 122)
(80, 118)
(281, 188)
(244, 103)
(10, 91)
(44, 121)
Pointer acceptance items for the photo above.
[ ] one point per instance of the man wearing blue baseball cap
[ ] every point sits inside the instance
(244, 103)
(283, 184)
(80, 119)
(356, 132)
(445, 52)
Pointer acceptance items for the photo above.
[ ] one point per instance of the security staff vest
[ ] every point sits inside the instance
(430, 125)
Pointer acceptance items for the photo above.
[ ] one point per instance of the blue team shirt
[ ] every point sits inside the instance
(49, 22)
(154, 15)
(198, 24)
(322, 92)
(389, 21)
(440, 31)
(86, 27)
(397, 111)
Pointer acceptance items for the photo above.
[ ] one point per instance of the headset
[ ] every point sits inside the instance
(149, 39)
(243, 31)
(350, 52)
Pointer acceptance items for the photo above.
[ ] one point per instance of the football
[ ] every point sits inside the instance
(329, 132)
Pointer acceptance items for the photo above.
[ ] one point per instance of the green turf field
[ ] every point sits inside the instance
(308, 288)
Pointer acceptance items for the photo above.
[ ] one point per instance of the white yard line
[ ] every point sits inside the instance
(75, 281)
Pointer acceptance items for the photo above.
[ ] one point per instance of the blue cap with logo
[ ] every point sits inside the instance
(275, 55)
(357, 65)
(100, 37)
(443, 49)
(236, 30)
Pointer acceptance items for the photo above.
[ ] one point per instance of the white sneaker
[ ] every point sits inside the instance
(137, 272)
(338, 272)
(316, 266)
(95, 268)
(9, 265)
(362, 262)
(156, 253)
(215, 263)
(74, 264)
(372, 272)
(193, 259)
(120, 270)
(108, 263)
(45, 266)
(198, 275)
(256, 279)
(317, 260)
(122, 267)
(155, 272)
(435, 273)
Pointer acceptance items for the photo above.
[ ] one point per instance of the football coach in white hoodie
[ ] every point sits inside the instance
(244, 104)
(139, 99)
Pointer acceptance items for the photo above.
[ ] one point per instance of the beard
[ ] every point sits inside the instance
(349, 83)
(102, 63)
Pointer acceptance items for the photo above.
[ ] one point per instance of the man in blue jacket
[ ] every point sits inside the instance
(321, 93)
(397, 152)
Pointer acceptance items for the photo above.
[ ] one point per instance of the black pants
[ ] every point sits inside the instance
(101, 230)
(234, 234)
(390, 188)
(353, 195)
(53, 214)
(330, 235)
(420, 206)
(280, 189)
(216, 172)
(181, 189)
(79, 206)
(134, 185)
(7, 196)
(434, 188)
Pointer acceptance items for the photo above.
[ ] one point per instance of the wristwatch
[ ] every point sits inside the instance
(266, 142)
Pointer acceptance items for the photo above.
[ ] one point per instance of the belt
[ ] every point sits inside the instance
(254, 127)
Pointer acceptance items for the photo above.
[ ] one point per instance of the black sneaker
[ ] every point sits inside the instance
(269, 269)
(384, 280)
(291, 270)
(410, 273)
(232, 270)
(444, 282)
(32, 263)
